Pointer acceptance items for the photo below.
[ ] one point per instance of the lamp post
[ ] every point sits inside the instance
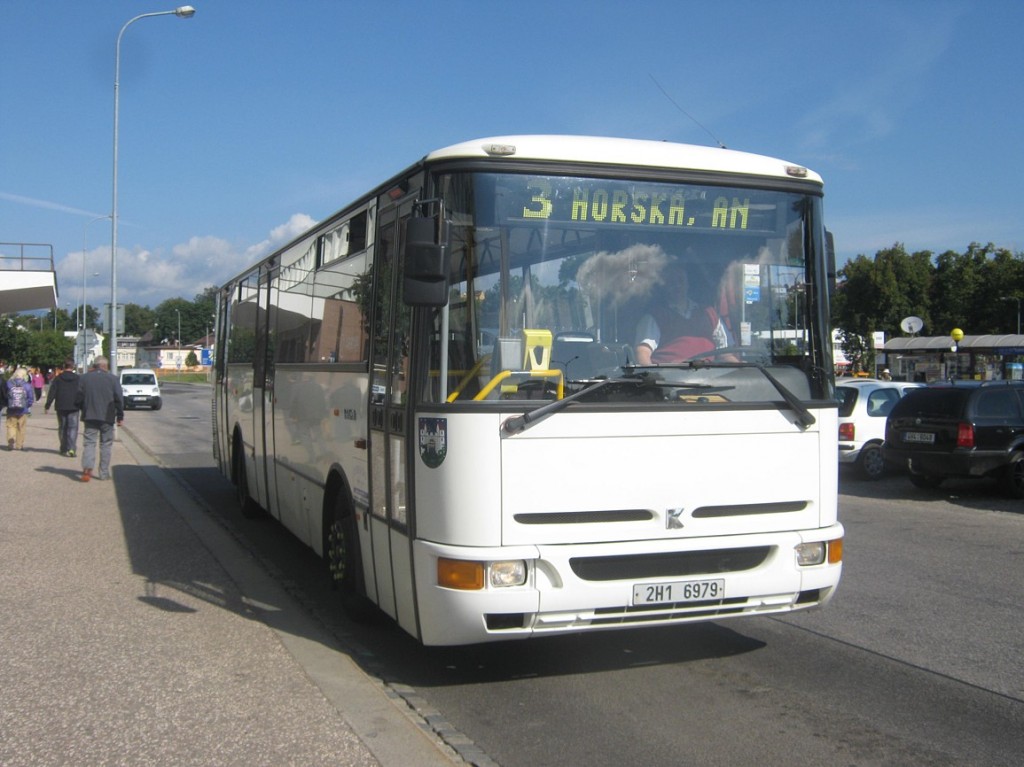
(85, 347)
(178, 339)
(183, 12)
(85, 232)
(957, 335)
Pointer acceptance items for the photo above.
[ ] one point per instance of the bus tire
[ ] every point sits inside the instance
(246, 504)
(344, 560)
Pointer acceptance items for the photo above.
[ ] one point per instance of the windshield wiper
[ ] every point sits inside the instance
(644, 376)
(804, 416)
(519, 423)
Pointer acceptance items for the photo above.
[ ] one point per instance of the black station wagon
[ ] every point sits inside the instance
(961, 429)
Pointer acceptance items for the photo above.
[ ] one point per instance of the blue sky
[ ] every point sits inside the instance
(245, 124)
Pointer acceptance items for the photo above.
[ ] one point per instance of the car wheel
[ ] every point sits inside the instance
(157, 403)
(1013, 476)
(870, 462)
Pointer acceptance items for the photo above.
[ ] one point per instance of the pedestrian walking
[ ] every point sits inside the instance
(62, 393)
(101, 402)
(20, 398)
(38, 382)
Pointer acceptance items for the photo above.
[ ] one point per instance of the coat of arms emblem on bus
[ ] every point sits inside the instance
(433, 441)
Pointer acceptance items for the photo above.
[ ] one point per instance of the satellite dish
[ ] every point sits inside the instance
(911, 324)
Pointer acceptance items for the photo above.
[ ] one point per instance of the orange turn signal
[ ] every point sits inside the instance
(460, 574)
(835, 551)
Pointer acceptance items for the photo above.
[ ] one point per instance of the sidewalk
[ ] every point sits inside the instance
(134, 630)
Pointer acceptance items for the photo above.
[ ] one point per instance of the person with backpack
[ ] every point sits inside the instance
(62, 392)
(20, 397)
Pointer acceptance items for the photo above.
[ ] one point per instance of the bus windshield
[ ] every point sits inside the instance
(686, 292)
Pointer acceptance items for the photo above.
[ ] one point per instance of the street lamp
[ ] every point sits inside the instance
(178, 339)
(85, 231)
(957, 335)
(184, 12)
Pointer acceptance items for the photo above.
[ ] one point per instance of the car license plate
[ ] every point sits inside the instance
(678, 591)
(919, 437)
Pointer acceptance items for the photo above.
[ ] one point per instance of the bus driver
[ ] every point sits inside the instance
(677, 328)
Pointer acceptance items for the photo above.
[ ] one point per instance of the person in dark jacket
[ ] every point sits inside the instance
(62, 393)
(102, 403)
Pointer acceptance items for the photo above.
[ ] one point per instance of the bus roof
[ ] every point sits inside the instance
(623, 151)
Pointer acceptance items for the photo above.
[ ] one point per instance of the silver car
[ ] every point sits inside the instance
(864, 404)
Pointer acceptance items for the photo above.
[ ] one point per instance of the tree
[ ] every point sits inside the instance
(92, 316)
(138, 320)
(954, 290)
(49, 348)
(59, 319)
(959, 289)
(1003, 279)
(175, 313)
(13, 340)
(876, 294)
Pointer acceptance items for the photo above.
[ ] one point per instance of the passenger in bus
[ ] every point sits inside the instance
(677, 328)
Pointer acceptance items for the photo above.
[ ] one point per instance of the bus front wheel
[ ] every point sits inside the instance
(246, 504)
(344, 561)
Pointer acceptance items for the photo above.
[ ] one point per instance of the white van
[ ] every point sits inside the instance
(141, 388)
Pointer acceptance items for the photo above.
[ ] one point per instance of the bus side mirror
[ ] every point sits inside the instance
(425, 275)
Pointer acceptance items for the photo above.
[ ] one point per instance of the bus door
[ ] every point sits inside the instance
(389, 423)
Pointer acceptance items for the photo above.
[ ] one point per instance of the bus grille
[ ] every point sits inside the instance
(668, 565)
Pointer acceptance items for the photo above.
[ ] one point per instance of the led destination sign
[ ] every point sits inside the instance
(597, 201)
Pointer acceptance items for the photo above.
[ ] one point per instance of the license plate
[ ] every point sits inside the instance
(920, 437)
(678, 591)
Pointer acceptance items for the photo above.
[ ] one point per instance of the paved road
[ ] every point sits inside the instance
(135, 630)
(916, 662)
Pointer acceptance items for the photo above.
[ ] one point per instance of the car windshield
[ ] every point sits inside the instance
(560, 281)
(138, 379)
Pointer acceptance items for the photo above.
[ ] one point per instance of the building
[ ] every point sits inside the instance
(172, 358)
(935, 358)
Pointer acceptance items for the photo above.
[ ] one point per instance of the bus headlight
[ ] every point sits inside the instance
(808, 554)
(818, 552)
(511, 573)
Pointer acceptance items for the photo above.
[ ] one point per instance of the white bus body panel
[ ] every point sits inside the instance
(755, 474)
(630, 152)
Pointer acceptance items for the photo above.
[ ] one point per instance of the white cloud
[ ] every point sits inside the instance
(148, 277)
(279, 235)
(44, 204)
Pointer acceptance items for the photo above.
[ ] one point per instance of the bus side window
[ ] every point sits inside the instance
(340, 313)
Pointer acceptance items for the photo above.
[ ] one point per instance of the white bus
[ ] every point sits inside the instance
(466, 392)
